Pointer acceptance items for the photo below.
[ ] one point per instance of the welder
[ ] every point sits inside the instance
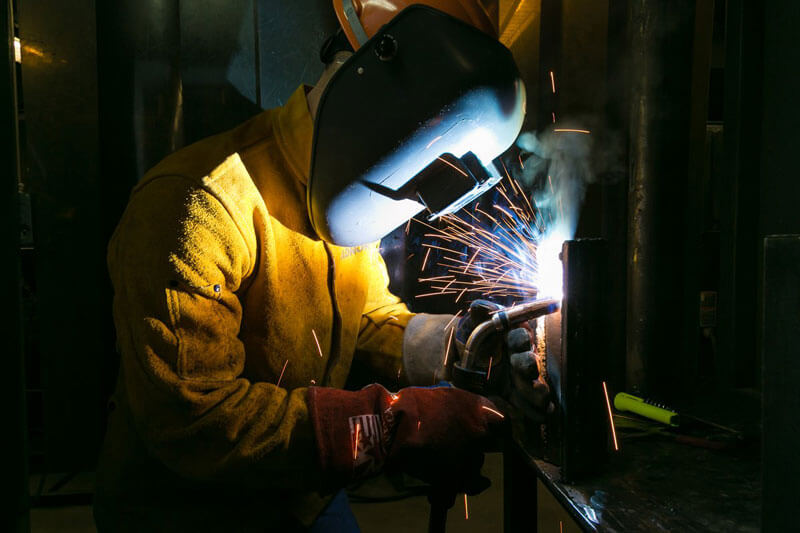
(247, 278)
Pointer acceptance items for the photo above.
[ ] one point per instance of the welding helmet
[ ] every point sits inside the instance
(413, 120)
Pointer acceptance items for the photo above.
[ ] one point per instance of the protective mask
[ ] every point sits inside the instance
(412, 122)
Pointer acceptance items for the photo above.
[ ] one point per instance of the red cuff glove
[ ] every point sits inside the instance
(436, 434)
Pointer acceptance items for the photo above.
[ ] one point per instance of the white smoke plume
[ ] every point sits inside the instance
(556, 170)
(555, 166)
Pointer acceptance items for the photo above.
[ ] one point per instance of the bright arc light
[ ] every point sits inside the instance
(550, 271)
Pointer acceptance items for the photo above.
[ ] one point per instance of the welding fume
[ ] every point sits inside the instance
(248, 279)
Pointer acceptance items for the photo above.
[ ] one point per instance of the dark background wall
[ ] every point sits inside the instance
(109, 89)
(779, 264)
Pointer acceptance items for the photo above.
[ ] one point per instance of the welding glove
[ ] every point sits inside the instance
(479, 312)
(436, 434)
(516, 379)
(528, 393)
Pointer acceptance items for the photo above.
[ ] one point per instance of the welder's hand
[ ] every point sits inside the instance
(479, 311)
(528, 392)
(436, 434)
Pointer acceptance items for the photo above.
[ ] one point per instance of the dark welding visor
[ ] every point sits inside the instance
(413, 120)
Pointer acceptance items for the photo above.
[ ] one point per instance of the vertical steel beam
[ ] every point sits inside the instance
(660, 40)
(780, 321)
(613, 178)
(14, 514)
(583, 357)
(686, 356)
(576, 437)
(739, 243)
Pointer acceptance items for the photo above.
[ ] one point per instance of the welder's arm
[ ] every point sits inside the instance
(177, 318)
(393, 341)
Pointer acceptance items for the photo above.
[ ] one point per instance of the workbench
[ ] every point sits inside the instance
(653, 483)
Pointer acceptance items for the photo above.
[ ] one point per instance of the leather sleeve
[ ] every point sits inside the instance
(177, 260)
(383, 322)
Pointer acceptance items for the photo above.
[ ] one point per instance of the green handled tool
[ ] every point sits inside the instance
(628, 402)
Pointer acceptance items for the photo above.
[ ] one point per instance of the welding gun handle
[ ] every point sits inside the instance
(469, 380)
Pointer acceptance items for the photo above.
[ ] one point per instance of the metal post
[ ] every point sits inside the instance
(660, 39)
(781, 373)
(739, 229)
(15, 501)
(583, 357)
(576, 362)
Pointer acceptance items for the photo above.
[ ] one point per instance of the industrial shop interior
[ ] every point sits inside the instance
(341, 266)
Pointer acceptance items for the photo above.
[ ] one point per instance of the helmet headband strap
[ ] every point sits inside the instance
(355, 24)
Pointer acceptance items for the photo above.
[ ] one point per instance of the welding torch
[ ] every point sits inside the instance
(466, 374)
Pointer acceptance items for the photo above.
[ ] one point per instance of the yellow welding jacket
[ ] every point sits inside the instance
(227, 306)
(412, 121)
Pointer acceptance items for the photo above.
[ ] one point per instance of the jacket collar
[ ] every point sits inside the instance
(294, 131)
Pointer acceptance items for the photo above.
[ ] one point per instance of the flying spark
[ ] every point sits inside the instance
(611, 417)
(433, 141)
(491, 252)
(570, 130)
(445, 161)
(425, 261)
(449, 342)
(498, 413)
(278, 384)
(319, 348)
(466, 507)
(452, 319)
(355, 447)
(553, 82)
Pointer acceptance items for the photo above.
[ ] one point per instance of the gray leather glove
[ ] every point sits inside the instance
(479, 311)
(528, 392)
(515, 379)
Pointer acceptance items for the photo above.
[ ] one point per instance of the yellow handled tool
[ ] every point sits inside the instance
(628, 402)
